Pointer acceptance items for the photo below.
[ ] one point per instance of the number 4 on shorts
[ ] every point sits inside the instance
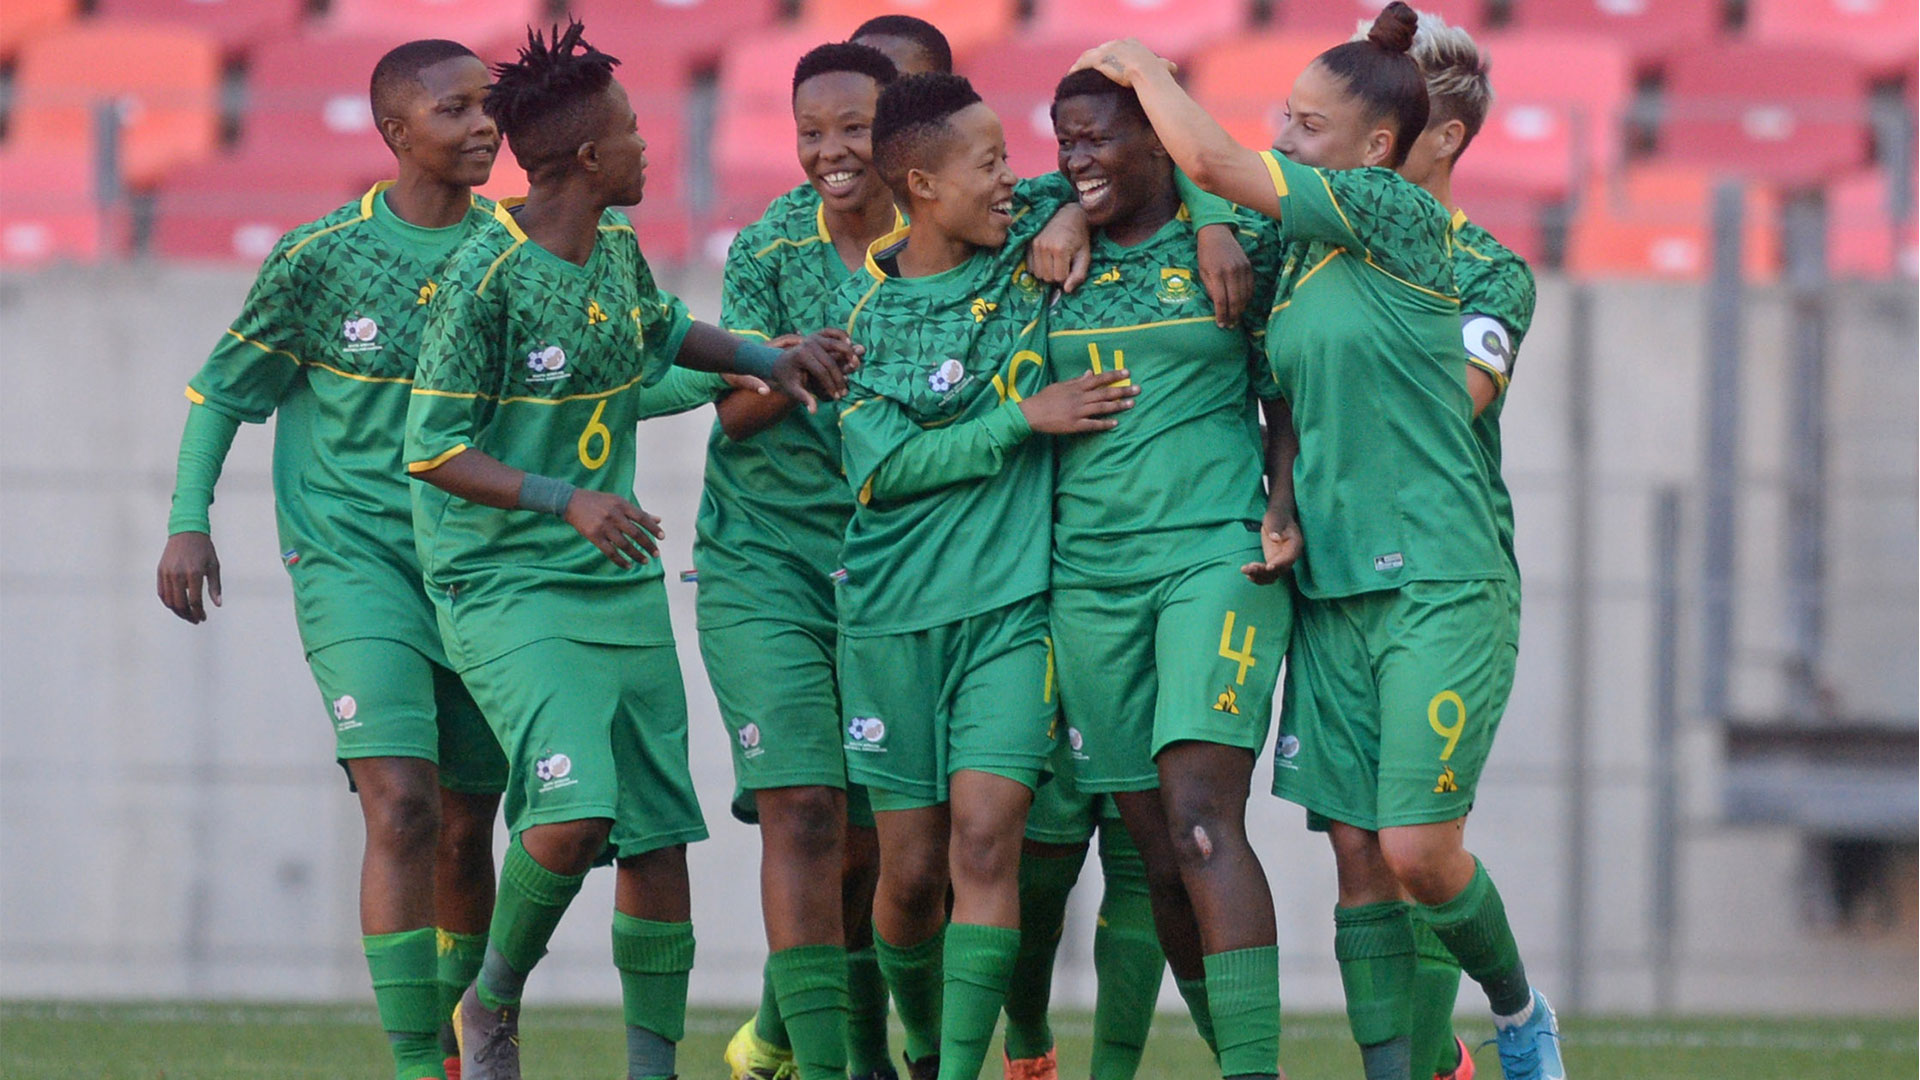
(1244, 657)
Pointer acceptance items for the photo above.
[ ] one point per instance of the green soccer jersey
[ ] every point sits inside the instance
(329, 338)
(1364, 342)
(540, 363)
(1178, 482)
(773, 515)
(954, 495)
(1496, 308)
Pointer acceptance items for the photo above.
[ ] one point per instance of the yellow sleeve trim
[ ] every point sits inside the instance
(1273, 169)
(263, 346)
(866, 492)
(415, 468)
(747, 333)
(1500, 382)
(363, 378)
(196, 396)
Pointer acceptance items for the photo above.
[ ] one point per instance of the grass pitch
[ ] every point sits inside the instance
(61, 1041)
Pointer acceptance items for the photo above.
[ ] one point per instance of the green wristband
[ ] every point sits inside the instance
(753, 358)
(545, 494)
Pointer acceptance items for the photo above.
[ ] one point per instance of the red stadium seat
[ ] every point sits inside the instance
(1171, 27)
(1879, 33)
(1514, 216)
(1245, 82)
(753, 146)
(1017, 80)
(234, 208)
(968, 24)
(49, 213)
(1778, 112)
(307, 103)
(20, 19)
(1650, 29)
(684, 33)
(480, 24)
(1658, 222)
(1862, 238)
(1339, 19)
(236, 24)
(165, 81)
(1558, 106)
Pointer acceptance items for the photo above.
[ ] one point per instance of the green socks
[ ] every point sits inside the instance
(653, 959)
(979, 967)
(528, 908)
(1474, 928)
(407, 994)
(810, 982)
(1436, 989)
(1044, 886)
(1127, 961)
(1194, 991)
(460, 956)
(1243, 990)
(767, 1023)
(1374, 944)
(913, 973)
(866, 1013)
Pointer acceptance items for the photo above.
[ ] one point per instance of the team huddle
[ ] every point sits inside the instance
(1021, 497)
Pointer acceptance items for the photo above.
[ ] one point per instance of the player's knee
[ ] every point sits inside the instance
(808, 823)
(403, 821)
(985, 851)
(568, 847)
(1201, 829)
(1423, 868)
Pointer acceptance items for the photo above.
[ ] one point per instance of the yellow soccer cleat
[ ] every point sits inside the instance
(750, 1057)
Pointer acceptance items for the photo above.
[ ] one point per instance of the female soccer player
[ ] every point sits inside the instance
(329, 339)
(542, 569)
(1403, 652)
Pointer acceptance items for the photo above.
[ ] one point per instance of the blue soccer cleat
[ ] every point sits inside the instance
(1531, 1051)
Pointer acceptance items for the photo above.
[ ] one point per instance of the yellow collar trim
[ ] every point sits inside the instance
(899, 233)
(503, 213)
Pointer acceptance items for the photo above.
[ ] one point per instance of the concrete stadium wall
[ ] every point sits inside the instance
(171, 824)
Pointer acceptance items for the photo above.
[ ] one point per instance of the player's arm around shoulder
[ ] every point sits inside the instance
(1497, 295)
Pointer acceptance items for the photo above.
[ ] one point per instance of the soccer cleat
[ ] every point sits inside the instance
(927, 1068)
(1531, 1051)
(750, 1057)
(1462, 1071)
(489, 1041)
(1044, 1067)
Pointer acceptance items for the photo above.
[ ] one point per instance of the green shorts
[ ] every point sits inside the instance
(386, 699)
(1392, 701)
(594, 731)
(779, 696)
(1061, 812)
(1192, 656)
(974, 694)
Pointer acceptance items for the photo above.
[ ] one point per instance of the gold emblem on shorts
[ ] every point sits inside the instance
(1227, 702)
(1445, 785)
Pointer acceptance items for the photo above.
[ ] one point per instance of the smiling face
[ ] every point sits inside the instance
(619, 152)
(833, 127)
(966, 189)
(442, 129)
(1116, 163)
(1328, 128)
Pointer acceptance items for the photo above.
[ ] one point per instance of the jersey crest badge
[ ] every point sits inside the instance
(547, 364)
(949, 376)
(1176, 285)
(360, 332)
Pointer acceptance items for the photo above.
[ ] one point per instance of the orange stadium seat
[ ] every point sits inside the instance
(1559, 102)
(236, 24)
(1879, 33)
(685, 33)
(307, 103)
(968, 24)
(1339, 19)
(1171, 27)
(753, 144)
(20, 19)
(1862, 238)
(479, 24)
(1779, 112)
(1657, 221)
(1017, 80)
(49, 213)
(1650, 29)
(1514, 216)
(164, 79)
(1244, 82)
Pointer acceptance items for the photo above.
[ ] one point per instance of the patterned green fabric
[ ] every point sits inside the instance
(1496, 285)
(1364, 342)
(539, 363)
(328, 339)
(946, 350)
(1179, 481)
(774, 511)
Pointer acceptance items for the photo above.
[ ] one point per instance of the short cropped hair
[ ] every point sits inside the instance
(844, 56)
(545, 101)
(919, 31)
(1090, 82)
(912, 124)
(398, 72)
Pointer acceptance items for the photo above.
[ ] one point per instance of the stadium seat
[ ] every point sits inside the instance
(1171, 27)
(1514, 216)
(164, 79)
(234, 208)
(307, 103)
(968, 24)
(1017, 80)
(480, 24)
(1338, 19)
(1863, 240)
(49, 213)
(1657, 221)
(1879, 33)
(236, 24)
(1244, 82)
(686, 34)
(1559, 102)
(1650, 29)
(1804, 121)
(19, 19)
(753, 145)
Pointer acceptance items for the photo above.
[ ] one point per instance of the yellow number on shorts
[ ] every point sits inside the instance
(1451, 734)
(1119, 361)
(1245, 656)
(596, 430)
